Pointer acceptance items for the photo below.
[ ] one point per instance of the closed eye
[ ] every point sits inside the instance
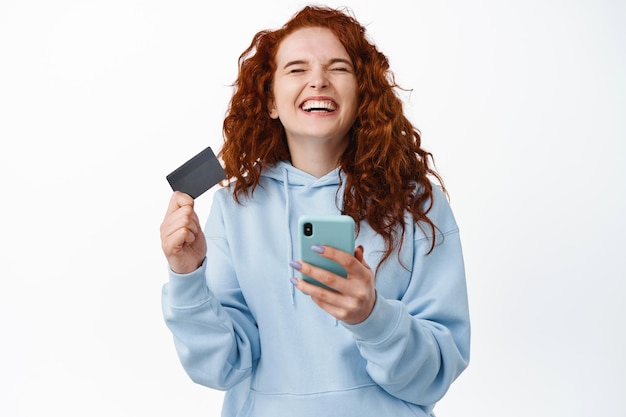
(295, 67)
(340, 65)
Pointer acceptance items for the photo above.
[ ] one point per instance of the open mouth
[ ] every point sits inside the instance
(319, 106)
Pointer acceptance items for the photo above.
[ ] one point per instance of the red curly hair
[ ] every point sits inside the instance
(386, 170)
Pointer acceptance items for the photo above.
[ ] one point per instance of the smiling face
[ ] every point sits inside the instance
(314, 88)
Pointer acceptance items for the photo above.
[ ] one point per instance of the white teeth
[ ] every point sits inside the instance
(318, 105)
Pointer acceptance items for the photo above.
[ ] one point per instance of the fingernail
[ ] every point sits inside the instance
(293, 280)
(295, 265)
(317, 249)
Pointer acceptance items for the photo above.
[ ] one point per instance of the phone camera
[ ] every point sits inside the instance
(308, 229)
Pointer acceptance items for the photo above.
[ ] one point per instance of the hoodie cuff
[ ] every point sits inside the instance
(188, 290)
(379, 325)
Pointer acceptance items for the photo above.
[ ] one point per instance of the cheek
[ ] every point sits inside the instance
(351, 90)
(354, 103)
(283, 99)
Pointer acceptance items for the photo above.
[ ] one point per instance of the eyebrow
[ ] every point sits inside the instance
(332, 61)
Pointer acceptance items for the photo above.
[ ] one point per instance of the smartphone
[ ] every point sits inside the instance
(336, 231)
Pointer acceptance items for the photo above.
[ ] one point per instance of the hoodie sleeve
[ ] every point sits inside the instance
(217, 341)
(417, 346)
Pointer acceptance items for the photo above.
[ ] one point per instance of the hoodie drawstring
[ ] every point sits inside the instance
(290, 270)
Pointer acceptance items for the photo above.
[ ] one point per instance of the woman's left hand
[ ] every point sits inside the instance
(354, 296)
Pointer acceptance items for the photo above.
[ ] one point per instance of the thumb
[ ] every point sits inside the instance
(359, 253)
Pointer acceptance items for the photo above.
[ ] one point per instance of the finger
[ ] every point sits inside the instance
(348, 261)
(180, 227)
(179, 200)
(182, 218)
(339, 306)
(322, 296)
(177, 240)
(359, 254)
(323, 276)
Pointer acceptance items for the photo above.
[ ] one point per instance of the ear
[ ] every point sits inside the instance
(273, 112)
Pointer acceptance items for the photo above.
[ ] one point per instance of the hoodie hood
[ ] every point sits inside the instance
(284, 172)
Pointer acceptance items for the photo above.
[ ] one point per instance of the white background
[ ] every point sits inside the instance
(522, 104)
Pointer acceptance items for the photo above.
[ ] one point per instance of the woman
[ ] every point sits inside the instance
(315, 127)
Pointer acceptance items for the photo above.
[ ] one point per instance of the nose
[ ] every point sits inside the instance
(319, 78)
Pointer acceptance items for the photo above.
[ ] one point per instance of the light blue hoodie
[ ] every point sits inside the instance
(239, 324)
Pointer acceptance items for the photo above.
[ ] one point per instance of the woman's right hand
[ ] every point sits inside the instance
(182, 238)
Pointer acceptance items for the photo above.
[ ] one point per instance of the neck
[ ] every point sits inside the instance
(316, 159)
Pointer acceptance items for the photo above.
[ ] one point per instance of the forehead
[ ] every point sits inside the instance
(310, 43)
